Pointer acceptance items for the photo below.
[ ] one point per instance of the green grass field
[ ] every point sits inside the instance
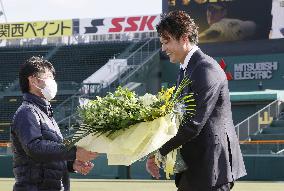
(145, 185)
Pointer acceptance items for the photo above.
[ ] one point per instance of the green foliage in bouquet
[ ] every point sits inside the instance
(123, 108)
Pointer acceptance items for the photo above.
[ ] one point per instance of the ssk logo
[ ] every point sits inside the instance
(132, 24)
(95, 23)
(119, 24)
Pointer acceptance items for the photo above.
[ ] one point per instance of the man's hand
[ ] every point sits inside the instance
(84, 155)
(83, 167)
(152, 168)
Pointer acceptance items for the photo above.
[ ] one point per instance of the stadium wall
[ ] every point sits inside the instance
(262, 168)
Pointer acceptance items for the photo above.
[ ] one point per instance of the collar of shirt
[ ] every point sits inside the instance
(188, 56)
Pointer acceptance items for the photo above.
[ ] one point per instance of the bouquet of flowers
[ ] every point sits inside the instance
(127, 127)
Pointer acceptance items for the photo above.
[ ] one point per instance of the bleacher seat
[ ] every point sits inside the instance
(267, 141)
(267, 137)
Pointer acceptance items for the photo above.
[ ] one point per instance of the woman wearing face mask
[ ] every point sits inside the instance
(41, 161)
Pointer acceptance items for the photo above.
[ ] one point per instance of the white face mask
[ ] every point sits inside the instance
(50, 89)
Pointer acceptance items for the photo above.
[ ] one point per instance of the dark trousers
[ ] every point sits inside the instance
(184, 185)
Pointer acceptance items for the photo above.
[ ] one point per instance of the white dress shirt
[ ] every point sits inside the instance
(188, 56)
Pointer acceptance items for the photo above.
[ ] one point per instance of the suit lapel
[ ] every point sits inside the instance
(192, 64)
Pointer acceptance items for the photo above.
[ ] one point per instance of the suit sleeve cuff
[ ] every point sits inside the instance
(70, 166)
(162, 151)
(72, 153)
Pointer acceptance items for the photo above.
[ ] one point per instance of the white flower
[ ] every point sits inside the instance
(83, 101)
(148, 99)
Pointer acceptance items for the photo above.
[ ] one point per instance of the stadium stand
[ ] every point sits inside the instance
(11, 58)
(83, 60)
(73, 64)
(268, 140)
(78, 61)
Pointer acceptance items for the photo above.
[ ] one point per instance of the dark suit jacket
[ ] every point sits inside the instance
(208, 139)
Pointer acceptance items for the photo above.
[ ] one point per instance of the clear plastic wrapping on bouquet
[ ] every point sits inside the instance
(180, 165)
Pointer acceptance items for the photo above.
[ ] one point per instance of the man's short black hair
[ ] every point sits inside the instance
(177, 24)
(34, 66)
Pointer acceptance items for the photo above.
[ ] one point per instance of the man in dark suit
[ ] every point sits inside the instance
(209, 144)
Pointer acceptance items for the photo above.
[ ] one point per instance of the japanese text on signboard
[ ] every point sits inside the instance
(36, 29)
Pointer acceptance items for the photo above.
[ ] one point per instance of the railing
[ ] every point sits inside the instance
(68, 106)
(6, 144)
(281, 152)
(143, 52)
(135, 61)
(256, 122)
(5, 148)
(263, 147)
(138, 58)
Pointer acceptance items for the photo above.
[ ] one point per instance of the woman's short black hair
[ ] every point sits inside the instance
(177, 24)
(33, 66)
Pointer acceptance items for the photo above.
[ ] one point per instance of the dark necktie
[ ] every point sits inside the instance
(181, 76)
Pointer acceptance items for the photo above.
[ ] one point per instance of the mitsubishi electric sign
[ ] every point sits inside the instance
(254, 71)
